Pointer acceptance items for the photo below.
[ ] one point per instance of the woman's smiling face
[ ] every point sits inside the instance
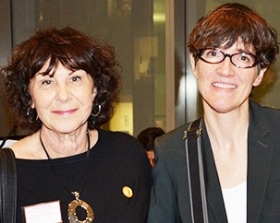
(63, 98)
(223, 86)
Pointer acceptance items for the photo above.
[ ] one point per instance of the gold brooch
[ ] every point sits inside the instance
(127, 191)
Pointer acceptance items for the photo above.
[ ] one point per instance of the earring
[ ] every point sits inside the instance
(98, 112)
(28, 111)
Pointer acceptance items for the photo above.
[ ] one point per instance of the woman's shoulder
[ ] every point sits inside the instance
(119, 143)
(25, 148)
(122, 148)
(259, 112)
(175, 135)
(116, 136)
(8, 143)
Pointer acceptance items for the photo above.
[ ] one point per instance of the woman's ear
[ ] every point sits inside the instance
(94, 93)
(259, 78)
(193, 63)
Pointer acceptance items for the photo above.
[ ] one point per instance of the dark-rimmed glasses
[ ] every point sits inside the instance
(215, 56)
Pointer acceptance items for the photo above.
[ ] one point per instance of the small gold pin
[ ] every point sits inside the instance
(127, 191)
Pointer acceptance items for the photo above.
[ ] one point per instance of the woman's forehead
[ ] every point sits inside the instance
(238, 45)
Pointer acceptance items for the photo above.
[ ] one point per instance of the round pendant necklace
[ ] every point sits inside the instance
(77, 202)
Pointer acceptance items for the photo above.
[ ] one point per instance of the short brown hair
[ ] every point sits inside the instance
(226, 23)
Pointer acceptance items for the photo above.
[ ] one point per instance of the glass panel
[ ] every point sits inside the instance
(136, 28)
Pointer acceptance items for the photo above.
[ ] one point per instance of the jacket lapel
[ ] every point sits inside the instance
(259, 160)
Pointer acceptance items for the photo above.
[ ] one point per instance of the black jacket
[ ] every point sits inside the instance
(170, 198)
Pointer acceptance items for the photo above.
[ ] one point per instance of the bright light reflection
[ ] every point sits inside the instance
(159, 17)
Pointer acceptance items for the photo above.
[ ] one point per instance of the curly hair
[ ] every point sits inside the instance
(228, 22)
(74, 50)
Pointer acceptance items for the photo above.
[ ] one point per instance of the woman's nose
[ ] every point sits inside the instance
(225, 68)
(63, 92)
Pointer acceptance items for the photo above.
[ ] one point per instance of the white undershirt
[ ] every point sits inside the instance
(235, 199)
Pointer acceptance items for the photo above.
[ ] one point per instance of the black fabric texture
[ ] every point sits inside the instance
(117, 160)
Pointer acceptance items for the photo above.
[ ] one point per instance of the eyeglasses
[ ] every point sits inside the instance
(215, 56)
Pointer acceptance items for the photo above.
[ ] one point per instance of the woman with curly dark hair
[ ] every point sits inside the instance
(62, 86)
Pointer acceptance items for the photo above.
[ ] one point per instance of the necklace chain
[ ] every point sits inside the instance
(59, 176)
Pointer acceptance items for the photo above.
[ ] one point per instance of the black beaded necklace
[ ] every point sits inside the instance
(72, 214)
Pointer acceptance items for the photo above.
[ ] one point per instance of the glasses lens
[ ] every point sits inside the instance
(243, 60)
(215, 56)
(212, 55)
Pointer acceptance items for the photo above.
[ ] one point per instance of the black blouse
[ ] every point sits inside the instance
(117, 160)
